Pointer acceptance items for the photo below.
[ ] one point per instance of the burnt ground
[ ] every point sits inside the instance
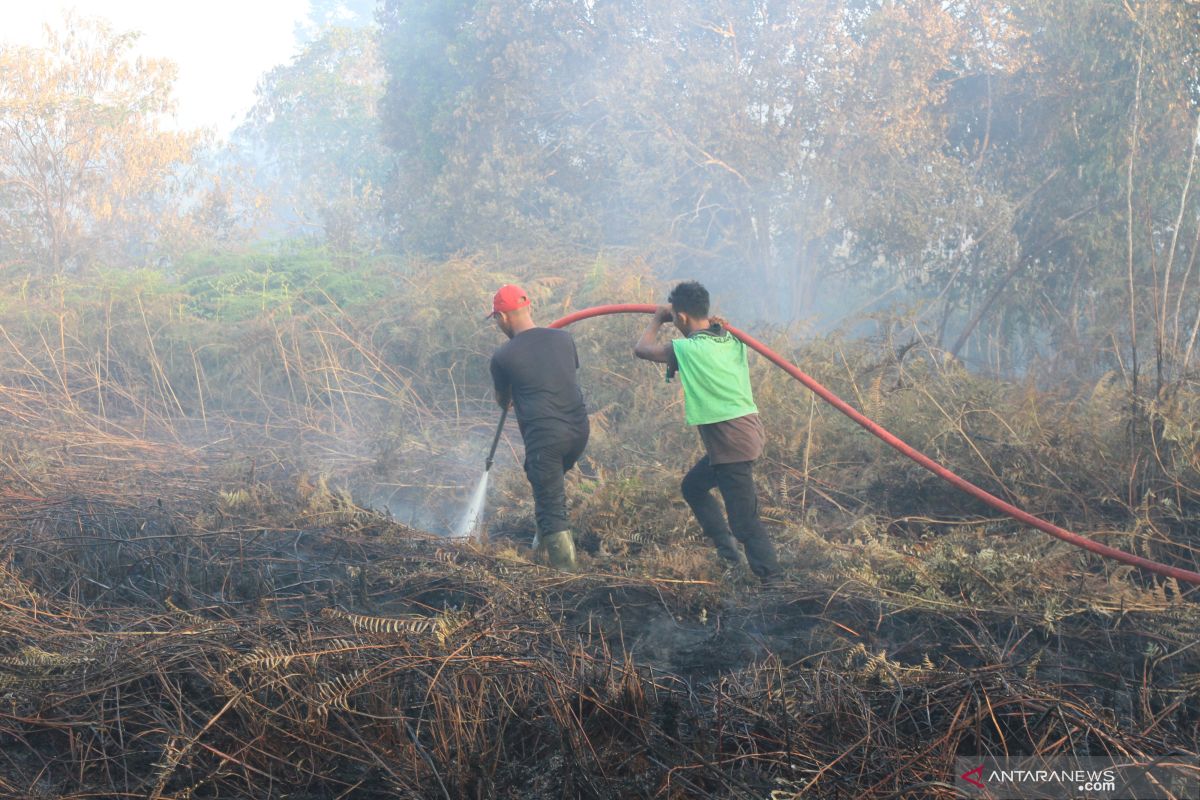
(283, 642)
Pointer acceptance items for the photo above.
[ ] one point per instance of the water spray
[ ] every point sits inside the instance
(469, 522)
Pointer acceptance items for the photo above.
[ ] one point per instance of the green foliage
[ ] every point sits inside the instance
(236, 285)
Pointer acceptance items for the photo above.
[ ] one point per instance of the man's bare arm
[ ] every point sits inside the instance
(648, 347)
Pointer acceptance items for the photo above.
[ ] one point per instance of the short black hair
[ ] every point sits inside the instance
(691, 298)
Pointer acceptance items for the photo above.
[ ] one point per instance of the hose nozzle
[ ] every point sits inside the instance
(491, 458)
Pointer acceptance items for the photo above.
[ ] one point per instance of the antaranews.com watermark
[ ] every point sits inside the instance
(1069, 777)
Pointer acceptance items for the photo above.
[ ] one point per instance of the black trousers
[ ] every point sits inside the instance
(736, 484)
(545, 465)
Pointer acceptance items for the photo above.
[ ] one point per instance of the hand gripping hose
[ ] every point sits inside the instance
(925, 461)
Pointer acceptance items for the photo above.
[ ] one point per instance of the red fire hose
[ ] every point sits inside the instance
(925, 461)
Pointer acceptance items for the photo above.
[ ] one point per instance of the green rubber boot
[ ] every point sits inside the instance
(560, 549)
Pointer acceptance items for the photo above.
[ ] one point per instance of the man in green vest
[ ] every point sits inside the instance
(712, 367)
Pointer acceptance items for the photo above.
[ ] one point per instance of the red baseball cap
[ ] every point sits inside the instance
(508, 298)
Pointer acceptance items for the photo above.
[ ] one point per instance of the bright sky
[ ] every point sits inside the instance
(222, 47)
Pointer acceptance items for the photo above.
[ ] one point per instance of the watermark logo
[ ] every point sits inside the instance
(977, 772)
(1068, 777)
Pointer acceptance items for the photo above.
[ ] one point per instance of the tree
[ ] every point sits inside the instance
(324, 14)
(747, 136)
(312, 140)
(1018, 172)
(1092, 139)
(442, 116)
(784, 132)
(85, 167)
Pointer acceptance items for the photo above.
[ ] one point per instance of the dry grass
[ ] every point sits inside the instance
(197, 602)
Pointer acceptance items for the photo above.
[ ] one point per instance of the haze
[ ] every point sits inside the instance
(219, 62)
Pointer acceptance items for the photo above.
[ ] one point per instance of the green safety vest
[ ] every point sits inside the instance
(715, 377)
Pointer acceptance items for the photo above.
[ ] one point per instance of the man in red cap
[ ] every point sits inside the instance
(535, 370)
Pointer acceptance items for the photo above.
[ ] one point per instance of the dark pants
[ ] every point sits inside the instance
(545, 465)
(736, 482)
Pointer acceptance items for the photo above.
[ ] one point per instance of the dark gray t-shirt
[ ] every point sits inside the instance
(539, 367)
